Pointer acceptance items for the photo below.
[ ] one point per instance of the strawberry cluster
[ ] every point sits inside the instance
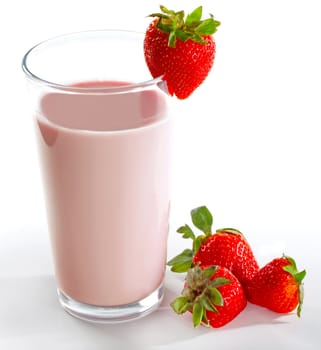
(223, 274)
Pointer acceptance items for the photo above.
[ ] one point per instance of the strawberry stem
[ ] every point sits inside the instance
(200, 294)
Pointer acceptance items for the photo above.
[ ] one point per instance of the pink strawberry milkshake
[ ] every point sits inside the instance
(105, 161)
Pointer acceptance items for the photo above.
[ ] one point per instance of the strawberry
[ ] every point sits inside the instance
(181, 50)
(213, 295)
(226, 247)
(278, 286)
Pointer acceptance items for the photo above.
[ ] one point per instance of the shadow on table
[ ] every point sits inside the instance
(29, 310)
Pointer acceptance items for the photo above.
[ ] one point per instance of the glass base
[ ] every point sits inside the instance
(112, 314)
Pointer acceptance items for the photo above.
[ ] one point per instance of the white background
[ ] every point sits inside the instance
(246, 144)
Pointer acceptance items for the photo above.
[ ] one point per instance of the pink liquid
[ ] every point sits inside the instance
(105, 161)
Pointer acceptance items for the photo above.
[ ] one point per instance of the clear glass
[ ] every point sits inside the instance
(103, 132)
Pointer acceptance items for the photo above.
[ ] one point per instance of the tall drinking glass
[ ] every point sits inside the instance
(103, 133)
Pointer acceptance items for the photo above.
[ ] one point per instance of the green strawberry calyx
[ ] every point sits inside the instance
(298, 277)
(190, 28)
(203, 220)
(200, 294)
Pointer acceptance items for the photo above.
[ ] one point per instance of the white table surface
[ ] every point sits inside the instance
(246, 144)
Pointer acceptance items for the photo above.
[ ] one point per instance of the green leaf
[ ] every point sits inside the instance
(216, 297)
(179, 305)
(219, 282)
(166, 10)
(202, 219)
(188, 307)
(292, 269)
(207, 304)
(207, 27)
(292, 261)
(180, 16)
(209, 271)
(217, 23)
(165, 27)
(186, 231)
(197, 243)
(172, 39)
(183, 35)
(301, 297)
(197, 314)
(159, 15)
(299, 276)
(198, 39)
(181, 262)
(194, 17)
(230, 230)
(204, 319)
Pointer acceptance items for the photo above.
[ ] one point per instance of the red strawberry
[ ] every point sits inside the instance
(227, 248)
(181, 50)
(213, 295)
(278, 286)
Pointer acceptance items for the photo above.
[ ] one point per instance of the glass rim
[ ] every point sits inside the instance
(83, 89)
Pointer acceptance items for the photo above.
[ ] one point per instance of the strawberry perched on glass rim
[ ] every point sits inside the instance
(181, 50)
